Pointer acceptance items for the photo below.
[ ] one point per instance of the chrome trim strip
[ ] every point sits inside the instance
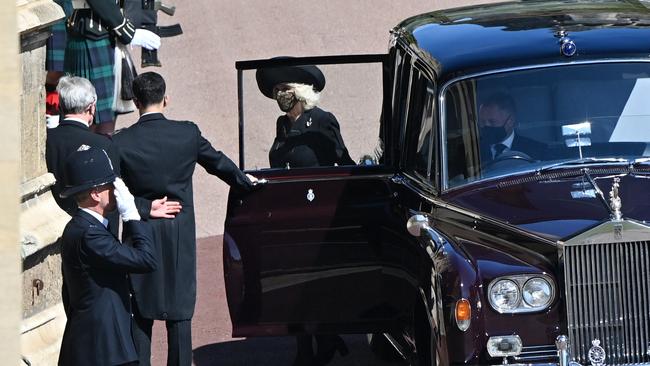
(444, 187)
(476, 216)
(324, 178)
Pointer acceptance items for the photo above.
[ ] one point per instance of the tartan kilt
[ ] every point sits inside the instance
(94, 60)
(55, 49)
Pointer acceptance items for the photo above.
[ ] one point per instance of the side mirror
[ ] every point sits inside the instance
(416, 224)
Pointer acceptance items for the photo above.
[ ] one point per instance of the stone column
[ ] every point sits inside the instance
(9, 180)
(41, 220)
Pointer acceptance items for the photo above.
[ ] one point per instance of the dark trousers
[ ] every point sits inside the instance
(179, 341)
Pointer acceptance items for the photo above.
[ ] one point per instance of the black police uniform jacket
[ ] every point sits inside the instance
(95, 268)
(63, 141)
(158, 157)
(314, 139)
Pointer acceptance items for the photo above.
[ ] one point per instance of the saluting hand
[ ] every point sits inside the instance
(163, 209)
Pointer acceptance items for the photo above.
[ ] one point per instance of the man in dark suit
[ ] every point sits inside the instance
(96, 265)
(497, 130)
(77, 102)
(158, 157)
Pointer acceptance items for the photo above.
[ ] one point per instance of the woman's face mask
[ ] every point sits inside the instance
(286, 100)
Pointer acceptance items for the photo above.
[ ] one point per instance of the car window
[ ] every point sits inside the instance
(341, 129)
(419, 144)
(519, 121)
(402, 80)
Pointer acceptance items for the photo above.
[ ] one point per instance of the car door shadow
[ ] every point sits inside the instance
(280, 351)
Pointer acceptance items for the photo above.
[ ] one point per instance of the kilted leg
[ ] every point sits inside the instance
(55, 50)
(94, 61)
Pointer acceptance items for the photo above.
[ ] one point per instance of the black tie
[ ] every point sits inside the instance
(498, 149)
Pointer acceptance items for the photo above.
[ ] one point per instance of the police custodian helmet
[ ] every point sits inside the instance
(86, 168)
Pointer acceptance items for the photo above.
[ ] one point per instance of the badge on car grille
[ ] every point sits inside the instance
(596, 354)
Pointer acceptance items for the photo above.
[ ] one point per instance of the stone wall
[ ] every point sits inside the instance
(41, 220)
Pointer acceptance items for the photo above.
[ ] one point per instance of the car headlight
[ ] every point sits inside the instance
(504, 295)
(521, 293)
(537, 292)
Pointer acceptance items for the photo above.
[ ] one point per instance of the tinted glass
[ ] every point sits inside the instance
(520, 121)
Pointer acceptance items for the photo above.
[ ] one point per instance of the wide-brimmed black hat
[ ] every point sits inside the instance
(269, 77)
(86, 168)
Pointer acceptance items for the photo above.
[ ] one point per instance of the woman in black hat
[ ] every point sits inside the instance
(306, 136)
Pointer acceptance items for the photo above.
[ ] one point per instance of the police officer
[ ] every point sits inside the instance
(96, 265)
(306, 136)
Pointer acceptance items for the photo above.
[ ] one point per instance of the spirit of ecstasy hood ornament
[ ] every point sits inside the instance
(615, 200)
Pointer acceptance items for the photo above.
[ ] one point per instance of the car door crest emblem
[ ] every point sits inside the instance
(310, 195)
(596, 354)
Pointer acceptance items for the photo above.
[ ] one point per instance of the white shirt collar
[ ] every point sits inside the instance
(509, 139)
(144, 114)
(77, 120)
(99, 217)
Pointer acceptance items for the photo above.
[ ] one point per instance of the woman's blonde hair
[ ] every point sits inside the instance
(305, 94)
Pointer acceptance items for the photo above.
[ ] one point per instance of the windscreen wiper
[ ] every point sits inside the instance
(579, 163)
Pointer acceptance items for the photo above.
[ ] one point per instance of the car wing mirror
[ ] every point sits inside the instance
(416, 224)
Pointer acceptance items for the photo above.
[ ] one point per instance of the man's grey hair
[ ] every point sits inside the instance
(75, 94)
(306, 94)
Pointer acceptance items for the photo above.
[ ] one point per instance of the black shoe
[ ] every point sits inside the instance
(327, 346)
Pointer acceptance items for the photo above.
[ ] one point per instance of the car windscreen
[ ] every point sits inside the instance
(517, 121)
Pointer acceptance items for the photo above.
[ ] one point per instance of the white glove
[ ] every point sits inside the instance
(146, 38)
(125, 201)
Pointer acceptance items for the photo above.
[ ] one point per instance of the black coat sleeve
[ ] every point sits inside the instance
(217, 163)
(110, 13)
(333, 131)
(102, 250)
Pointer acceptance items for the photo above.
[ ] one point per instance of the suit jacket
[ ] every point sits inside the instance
(96, 298)
(64, 140)
(314, 139)
(530, 147)
(533, 148)
(158, 157)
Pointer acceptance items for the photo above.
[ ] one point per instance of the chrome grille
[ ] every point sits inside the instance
(546, 353)
(608, 293)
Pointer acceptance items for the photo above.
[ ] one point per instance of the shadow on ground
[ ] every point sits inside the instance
(279, 351)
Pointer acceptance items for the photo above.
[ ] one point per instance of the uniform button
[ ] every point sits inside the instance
(164, 315)
(131, 315)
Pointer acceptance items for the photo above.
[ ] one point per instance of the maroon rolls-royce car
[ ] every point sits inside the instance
(497, 211)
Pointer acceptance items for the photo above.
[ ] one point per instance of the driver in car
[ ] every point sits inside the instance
(499, 140)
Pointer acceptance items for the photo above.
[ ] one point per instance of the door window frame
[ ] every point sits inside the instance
(242, 66)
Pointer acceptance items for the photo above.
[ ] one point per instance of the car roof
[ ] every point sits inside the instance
(494, 36)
